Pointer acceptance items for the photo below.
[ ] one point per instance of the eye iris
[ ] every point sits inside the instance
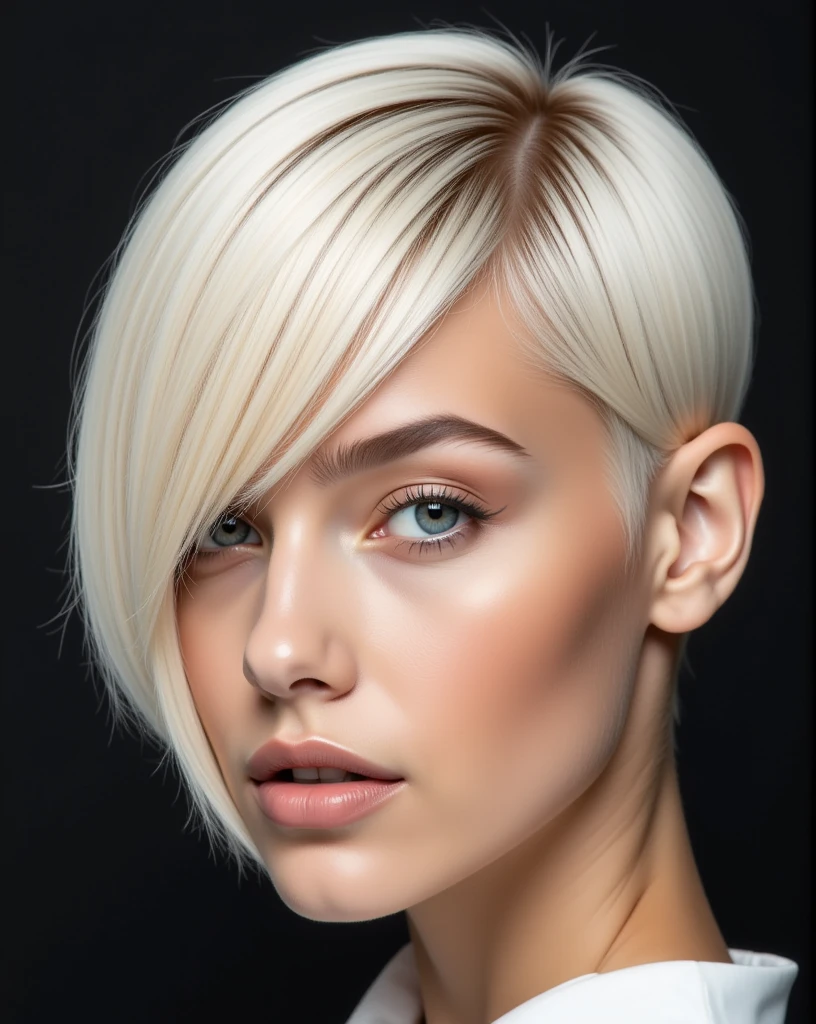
(434, 517)
(230, 531)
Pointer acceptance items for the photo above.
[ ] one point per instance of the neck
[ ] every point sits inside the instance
(610, 883)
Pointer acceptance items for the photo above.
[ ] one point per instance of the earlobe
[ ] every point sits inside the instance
(706, 506)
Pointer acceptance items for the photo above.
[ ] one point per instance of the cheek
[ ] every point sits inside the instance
(516, 666)
(212, 640)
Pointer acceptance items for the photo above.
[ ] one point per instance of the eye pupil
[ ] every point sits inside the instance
(435, 517)
(230, 531)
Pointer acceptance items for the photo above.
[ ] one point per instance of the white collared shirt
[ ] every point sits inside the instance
(754, 989)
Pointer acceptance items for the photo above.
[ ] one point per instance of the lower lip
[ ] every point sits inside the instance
(323, 804)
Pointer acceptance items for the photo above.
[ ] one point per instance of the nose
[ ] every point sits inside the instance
(298, 643)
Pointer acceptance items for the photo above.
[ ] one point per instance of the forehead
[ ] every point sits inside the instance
(472, 365)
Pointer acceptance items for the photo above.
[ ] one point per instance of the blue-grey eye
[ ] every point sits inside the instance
(229, 532)
(425, 519)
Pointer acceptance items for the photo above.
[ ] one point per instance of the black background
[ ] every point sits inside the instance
(117, 912)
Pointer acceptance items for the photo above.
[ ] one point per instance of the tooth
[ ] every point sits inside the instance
(305, 774)
(332, 774)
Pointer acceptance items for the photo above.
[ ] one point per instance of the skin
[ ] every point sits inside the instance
(519, 680)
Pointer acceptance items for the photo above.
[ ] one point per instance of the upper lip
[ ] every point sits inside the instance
(276, 755)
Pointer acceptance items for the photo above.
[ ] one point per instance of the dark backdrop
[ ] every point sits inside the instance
(119, 914)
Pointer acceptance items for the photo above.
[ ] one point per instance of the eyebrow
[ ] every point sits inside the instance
(370, 452)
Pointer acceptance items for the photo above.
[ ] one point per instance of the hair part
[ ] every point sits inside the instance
(303, 244)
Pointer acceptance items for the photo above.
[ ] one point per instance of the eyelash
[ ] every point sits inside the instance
(413, 496)
(442, 494)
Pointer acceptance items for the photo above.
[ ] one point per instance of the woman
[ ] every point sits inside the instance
(407, 449)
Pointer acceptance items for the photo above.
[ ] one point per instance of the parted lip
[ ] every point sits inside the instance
(276, 756)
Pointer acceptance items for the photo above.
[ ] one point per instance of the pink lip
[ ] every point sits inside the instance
(323, 804)
(319, 804)
(276, 756)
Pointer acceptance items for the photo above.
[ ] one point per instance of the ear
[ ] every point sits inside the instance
(704, 509)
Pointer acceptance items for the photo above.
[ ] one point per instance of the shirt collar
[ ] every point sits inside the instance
(754, 989)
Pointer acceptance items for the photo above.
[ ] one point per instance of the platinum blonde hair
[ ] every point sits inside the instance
(307, 239)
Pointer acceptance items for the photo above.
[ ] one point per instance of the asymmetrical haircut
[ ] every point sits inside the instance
(304, 242)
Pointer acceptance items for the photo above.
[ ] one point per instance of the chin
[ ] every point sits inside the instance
(336, 907)
(341, 888)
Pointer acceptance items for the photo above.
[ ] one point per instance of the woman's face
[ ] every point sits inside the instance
(484, 656)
